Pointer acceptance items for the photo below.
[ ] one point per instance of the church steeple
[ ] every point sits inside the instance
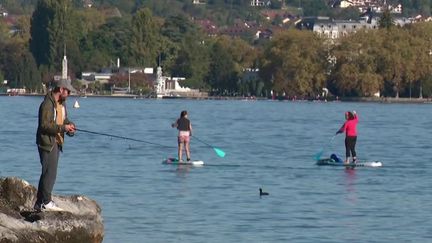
(64, 66)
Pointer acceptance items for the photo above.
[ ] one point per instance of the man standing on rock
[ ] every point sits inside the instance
(52, 125)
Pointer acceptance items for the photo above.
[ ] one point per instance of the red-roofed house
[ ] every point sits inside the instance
(208, 26)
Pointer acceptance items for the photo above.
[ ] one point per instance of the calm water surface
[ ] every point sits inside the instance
(268, 144)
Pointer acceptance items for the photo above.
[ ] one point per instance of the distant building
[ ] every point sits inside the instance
(404, 21)
(334, 29)
(208, 26)
(377, 6)
(198, 1)
(94, 76)
(169, 87)
(357, 3)
(271, 14)
(15, 91)
(88, 3)
(240, 28)
(339, 28)
(260, 3)
(264, 34)
(250, 74)
(109, 75)
(3, 11)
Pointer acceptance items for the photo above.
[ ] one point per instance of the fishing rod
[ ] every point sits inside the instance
(218, 151)
(126, 138)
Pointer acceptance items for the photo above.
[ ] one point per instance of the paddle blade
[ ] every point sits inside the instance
(318, 155)
(219, 152)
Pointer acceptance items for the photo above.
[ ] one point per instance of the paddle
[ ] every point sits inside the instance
(318, 155)
(218, 151)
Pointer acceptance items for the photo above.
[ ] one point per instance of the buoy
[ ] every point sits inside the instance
(76, 105)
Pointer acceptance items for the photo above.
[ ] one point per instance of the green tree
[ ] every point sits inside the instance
(427, 86)
(295, 63)
(18, 7)
(407, 7)
(145, 44)
(345, 13)
(243, 54)
(4, 30)
(275, 4)
(91, 19)
(102, 46)
(54, 26)
(386, 21)
(311, 7)
(163, 8)
(23, 26)
(420, 41)
(423, 6)
(176, 27)
(395, 60)
(355, 71)
(192, 62)
(180, 36)
(250, 84)
(222, 76)
(244, 57)
(19, 66)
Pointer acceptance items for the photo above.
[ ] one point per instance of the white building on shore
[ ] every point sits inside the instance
(169, 87)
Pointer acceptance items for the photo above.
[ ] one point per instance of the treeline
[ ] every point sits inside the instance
(393, 61)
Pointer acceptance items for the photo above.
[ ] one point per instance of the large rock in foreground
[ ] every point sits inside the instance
(80, 222)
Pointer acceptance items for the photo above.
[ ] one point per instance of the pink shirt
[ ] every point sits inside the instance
(350, 127)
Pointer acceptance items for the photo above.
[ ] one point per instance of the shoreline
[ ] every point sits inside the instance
(345, 99)
(389, 100)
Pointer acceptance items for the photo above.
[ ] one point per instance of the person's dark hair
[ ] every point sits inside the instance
(56, 90)
(350, 115)
(183, 114)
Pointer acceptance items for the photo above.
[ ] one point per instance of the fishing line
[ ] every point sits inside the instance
(126, 138)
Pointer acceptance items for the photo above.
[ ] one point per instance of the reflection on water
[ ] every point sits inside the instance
(350, 183)
(182, 170)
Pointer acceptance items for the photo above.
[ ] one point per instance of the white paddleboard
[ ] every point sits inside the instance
(331, 162)
(174, 161)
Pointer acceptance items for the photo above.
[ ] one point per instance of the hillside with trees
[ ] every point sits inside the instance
(391, 60)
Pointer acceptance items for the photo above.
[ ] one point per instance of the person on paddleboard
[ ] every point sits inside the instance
(184, 126)
(350, 129)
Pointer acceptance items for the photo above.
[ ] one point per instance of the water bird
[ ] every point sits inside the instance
(263, 193)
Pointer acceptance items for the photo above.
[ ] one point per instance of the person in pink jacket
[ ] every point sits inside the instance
(350, 129)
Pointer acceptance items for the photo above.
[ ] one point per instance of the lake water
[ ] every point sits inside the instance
(269, 144)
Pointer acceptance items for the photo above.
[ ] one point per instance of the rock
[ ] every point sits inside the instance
(80, 222)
